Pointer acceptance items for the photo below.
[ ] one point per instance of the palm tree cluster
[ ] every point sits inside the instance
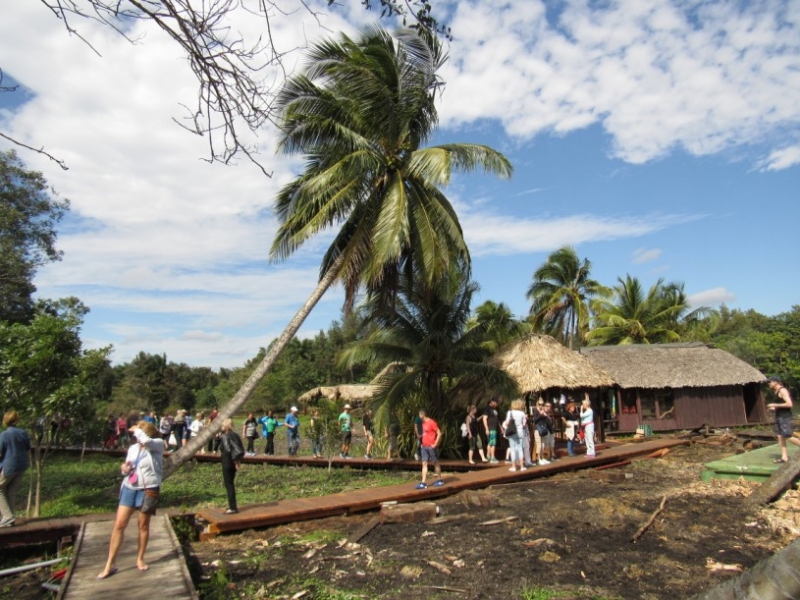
(568, 304)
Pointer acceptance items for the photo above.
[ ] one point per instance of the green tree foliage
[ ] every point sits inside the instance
(498, 324)
(771, 344)
(631, 316)
(428, 333)
(44, 374)
(29, 213)
(560, 296)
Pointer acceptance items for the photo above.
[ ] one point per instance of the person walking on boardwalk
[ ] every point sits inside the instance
(15, 444)
(140, 489)
(587, 424)
(491, 422)
(431, 436)
(783, 417)
(393, 434)
(250, 432)
(292, 423)
(269, 424)
(346, 427)
(369, 431)
(513, 426)
(231, 452)
(472, 435)
(570, 419)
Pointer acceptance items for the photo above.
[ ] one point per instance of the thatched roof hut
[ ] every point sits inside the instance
(353, 393)
(656, 366)
(538, 363)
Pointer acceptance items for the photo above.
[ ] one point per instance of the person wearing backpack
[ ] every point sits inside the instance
(231, 453)
(471, 429)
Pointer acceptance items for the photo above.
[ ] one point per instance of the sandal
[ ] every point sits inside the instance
(779, 461)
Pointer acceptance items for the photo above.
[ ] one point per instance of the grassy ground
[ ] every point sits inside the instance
(73, 487)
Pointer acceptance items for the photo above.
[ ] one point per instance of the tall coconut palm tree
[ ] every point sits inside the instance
(633, 317)
(560, 296)
(360, 113)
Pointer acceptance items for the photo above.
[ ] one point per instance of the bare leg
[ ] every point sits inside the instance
(144, 537)
(471, 453)
(117, 536)
(438, 471)
(424, 471)
(782, 444)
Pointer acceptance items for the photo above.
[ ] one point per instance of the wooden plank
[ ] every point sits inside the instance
(285, 511)
(167, 576)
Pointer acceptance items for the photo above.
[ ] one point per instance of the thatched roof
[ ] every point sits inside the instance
(346, 393)
(352, 392)
(672, 365)
(539, 362)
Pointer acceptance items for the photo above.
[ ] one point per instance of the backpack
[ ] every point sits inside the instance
(464, 430)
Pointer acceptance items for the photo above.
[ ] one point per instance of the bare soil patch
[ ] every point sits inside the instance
(569, 534)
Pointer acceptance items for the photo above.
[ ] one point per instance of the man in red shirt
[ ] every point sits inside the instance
(431, 435)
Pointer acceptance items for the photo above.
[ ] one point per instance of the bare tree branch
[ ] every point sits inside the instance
(41, 150)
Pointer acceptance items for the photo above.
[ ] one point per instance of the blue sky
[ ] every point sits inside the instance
(661, 139)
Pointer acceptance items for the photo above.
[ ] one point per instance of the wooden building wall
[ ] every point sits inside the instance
(721, 406)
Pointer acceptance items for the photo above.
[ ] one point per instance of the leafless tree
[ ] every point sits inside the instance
(237, 79)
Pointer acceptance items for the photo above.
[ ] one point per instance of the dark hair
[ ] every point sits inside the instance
(775, 378)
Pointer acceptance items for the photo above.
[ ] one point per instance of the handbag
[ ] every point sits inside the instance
(173, 441)
(511, 428)
(133, 478)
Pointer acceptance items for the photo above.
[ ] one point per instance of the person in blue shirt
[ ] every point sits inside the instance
(14, 448)
(292, 424)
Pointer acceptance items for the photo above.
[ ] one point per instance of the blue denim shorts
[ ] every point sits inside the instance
(130, 497)
(429, 455)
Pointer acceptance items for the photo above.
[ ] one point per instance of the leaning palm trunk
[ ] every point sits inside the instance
(774, 578)
(198, 442)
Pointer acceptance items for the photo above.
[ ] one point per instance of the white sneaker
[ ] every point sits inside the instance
(544, 462)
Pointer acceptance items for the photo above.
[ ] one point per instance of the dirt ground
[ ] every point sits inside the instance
(567, 534)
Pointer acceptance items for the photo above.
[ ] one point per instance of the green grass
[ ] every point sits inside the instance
(537, 592)
(71, 487)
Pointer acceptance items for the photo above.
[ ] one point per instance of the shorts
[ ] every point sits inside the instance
(549, 440)
(429, 455)
(475, 443)
(393, 442)
(492, 438)
(783, 425)
(145, 500)
(347, 437)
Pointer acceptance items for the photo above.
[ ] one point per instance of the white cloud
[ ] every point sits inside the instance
(490, 234)
(643, 255)
(711, 298)
(656, 75)
(781, 159)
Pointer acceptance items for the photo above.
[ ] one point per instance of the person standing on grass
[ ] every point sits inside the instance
(783, 417)
(316, 434)
(369, 431)
(292, 423)
(587, 425)
(269, 425)
(140, 490)
(250, 432)
(431, 435)
(197, 426)
(472, 435)
(231, 452)
(346, 427)
(491, 423)
(14, 448)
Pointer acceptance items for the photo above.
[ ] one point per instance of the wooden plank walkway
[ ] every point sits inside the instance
(285, 511)
(167, 577)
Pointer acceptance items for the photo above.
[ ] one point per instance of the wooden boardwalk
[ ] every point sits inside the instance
(285, 511)
(167, 577)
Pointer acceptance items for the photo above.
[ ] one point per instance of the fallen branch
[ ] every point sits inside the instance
(498, 521)
(649, 521)
(623, 463)
(780, 481)
(442, 588)
(439, 566)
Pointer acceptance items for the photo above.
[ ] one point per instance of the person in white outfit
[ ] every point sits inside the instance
(587, 423)
(514, 434)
